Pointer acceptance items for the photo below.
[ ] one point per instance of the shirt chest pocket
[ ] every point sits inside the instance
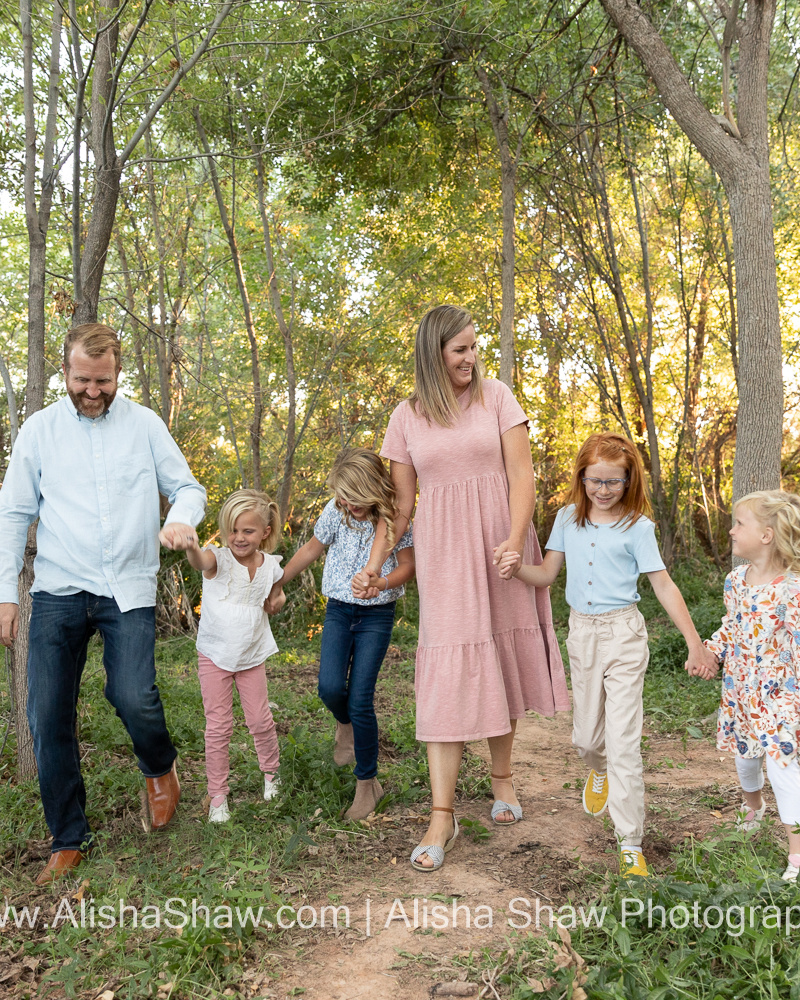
(134, 474)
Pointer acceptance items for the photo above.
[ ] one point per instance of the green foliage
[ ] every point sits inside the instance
(714, 930)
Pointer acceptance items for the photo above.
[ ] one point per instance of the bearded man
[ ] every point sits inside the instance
(91, 467)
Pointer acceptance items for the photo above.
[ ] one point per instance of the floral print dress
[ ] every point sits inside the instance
(759, 646)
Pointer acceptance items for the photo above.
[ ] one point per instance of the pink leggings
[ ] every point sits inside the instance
(216, 686)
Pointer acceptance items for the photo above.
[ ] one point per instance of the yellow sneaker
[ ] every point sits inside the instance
(595, 793)
(631, 862)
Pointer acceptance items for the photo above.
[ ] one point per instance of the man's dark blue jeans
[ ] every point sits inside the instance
(354, 642)
(60, 630)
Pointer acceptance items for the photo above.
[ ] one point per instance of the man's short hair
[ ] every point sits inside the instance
(95, 339)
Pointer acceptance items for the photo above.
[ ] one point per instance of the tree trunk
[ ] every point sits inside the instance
(743, 167)
(285, 488)
(37, 219)
(258, 397)
(757, 460)
(508, 187)
(108, 170)
(26, 761)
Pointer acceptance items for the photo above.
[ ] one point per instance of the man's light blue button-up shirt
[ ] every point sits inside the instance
(94, 485)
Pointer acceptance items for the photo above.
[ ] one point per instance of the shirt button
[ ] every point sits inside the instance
(590, 564)
(590, 583)
(589, 602)
(592, 544)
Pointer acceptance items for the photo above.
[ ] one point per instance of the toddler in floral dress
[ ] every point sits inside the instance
(758, 646)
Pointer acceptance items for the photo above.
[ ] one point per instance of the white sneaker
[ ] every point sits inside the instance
(748, 819)
(271, 788)
(220, 813)
(791, 873)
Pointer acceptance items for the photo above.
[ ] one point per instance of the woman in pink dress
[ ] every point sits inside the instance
(487, 651)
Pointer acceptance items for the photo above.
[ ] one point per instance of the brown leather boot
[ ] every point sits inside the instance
(368, 795)
(59, 864)
(162, 798)
(343, 752)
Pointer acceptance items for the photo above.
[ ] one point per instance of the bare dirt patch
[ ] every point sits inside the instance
(399, 948)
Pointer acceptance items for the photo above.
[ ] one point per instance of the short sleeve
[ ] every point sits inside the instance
(216, 551)
(328, 524)
(509, 412)
(277, 569)
(407, 541)
(556, 539)
(645, 547)
(720, 641)
(220, 554)
(395, 447)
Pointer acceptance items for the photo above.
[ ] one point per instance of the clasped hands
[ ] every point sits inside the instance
(364, 585)
(179, 537)
(702, 663)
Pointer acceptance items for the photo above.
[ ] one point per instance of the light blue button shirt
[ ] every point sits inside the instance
(94, 485)
(604, 560)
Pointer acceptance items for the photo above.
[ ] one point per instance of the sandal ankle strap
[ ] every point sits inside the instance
(443, 809)
(503, 777)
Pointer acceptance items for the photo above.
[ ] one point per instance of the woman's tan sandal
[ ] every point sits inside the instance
(500, 807)
(434, 851)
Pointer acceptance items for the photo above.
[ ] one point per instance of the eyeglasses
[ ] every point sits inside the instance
(615, 485)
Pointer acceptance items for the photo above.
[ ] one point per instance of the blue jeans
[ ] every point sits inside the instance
(60, 630)
(354, 642)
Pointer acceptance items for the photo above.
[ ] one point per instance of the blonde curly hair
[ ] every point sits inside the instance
(360, 478)
(780, 511)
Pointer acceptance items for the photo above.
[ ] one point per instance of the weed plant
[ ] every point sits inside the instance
(262, 857)
(722, 927)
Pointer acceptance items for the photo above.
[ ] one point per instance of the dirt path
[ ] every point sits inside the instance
(398, 947)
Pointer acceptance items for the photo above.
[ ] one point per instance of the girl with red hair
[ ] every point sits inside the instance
(606, 538)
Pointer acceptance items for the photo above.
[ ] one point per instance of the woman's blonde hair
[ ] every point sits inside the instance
(606, 446)
(360, 478)
(781, 512)
(433, 394)
(243, 501)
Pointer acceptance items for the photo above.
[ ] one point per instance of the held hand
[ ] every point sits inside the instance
(179, 537)
(362, 582)
(9, 623)
(275, 601)
(507, 561)
(702, 663)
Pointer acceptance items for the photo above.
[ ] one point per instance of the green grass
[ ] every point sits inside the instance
(722, 927)
(261, 857)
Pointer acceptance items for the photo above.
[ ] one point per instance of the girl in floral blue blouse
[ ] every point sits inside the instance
(358, 624)
(759, 647)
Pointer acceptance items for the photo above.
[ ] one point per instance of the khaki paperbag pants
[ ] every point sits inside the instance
(608, 657)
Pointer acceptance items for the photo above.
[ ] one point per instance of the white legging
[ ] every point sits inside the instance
(785, 783)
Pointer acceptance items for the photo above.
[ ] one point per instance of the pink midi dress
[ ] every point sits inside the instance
(487, 650)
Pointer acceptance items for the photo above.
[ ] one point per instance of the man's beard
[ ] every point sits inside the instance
(96, 407)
